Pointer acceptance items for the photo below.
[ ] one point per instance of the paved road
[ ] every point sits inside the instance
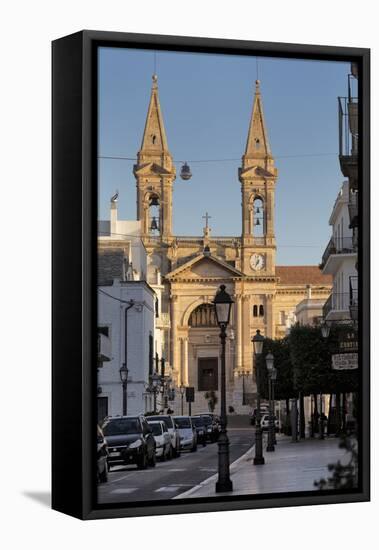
(169, 479)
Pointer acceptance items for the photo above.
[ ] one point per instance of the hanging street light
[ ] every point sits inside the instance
(325, 330)
(223, 305)
(185, 172)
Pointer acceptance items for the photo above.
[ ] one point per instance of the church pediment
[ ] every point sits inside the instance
(256, 172)
(150, 168)
(204, 267)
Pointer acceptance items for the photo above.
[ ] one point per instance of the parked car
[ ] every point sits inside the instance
(130, 441)
(253, 414)
(162, 438)
(265, 422)
(102, 457)
(187, 433)
(172, 430)
(201, 429)
(212, 425)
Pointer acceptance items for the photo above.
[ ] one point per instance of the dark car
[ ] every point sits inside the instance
(102, 457)
(201, 429)
(212, 426)
(130, 441)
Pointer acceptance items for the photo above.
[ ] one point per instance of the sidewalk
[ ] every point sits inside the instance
(292, 467)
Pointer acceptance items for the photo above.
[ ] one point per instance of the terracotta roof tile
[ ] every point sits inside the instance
(302, 275)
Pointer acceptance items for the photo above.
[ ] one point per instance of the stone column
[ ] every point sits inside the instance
(246, 343)
(270, 321)
(184, 366)
(173, 336)
(238, 336)
(270, 212)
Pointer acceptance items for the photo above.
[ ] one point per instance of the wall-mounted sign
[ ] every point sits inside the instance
(348, 342)
(345, 361)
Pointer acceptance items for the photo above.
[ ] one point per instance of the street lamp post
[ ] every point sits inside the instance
(124, 380)
(155, 380)
(124, 369)
(270, 367)
(223, 305)
(182, 390)
(258, 340)
(242, 374)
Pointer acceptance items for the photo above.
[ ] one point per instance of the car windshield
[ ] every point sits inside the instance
(207, 420)
(166, 419)
(121, 426)
(183, 422)
(156, 428)
(197, 421)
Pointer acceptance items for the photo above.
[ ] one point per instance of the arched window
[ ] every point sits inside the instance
(203, 316)
(258, 217)
(154, 218)
(255, 311)
(261, 311)
(257, 143)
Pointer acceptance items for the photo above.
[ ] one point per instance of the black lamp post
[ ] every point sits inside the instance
(223, 305)
(124, 380)
(258, 340)
(182, 390)
(243, 373)
(155, 381)
(270, 366)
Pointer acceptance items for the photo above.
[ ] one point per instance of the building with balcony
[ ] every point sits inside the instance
(127, 307)
(349, 146)
(339, 260)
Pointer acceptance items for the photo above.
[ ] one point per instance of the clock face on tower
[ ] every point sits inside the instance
(257, 262)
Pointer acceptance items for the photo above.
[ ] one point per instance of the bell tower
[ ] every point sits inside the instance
(258, 175)
(155, 173)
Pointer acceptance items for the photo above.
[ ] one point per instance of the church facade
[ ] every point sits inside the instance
(190, 270)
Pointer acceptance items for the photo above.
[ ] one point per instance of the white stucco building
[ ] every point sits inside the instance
(339, 260)
(126, 317)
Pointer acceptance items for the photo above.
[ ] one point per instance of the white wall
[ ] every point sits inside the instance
(111, 313)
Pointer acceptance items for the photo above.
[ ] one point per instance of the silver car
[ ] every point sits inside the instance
(162, 438)
(187, 433)
(172, 430)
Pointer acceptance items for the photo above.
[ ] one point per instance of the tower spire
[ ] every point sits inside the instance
(154, 136)
(257, 144)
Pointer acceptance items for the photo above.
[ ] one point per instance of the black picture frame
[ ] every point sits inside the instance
(74, 204)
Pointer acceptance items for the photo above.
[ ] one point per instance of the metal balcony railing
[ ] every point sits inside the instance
(348, 126)
(163, 321)
(337, 301)
(353, 290)
(337, 245)
(353, 209)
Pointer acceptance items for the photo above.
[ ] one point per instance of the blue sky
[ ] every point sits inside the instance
(206, 102)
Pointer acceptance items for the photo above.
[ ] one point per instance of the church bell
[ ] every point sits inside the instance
(154, 201)
(154, 225)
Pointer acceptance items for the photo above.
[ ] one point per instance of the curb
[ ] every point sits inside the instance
(245, 457)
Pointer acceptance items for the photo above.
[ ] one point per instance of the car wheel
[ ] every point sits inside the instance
(103, 476)
(169, 454)
(142, 462)
(153, 460)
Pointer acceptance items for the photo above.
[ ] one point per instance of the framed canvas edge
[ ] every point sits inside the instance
(83, 505)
